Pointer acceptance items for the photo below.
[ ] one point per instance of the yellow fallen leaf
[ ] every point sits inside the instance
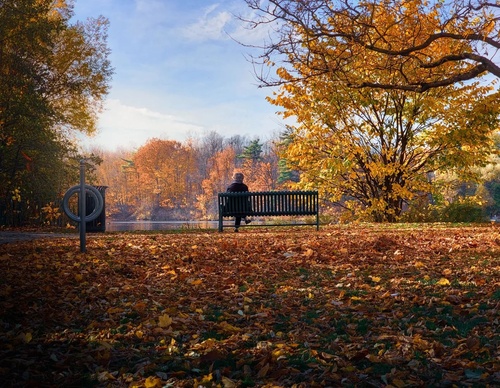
(153, 382)
(227, 327)
(309, 252)
(26, 337)
(164, 320)
(196, 282)
(204, 380)
(228, 383)
(443, 282)
(399, 383)
(375, 279)
(102, 377)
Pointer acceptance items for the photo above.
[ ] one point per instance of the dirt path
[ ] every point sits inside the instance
(7, 237)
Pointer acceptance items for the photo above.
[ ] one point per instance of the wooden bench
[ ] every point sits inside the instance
(269, 203)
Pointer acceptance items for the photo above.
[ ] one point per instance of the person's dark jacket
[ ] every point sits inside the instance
(237, 187)
(238, 203)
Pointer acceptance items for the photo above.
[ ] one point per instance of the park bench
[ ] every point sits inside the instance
(269, 203)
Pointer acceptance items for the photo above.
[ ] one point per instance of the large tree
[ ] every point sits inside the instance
(53, 78)
(372, 147)
(168, 178)
(426, 44)
(222, 166)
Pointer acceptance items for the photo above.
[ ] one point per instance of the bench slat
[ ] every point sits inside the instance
(268, 203)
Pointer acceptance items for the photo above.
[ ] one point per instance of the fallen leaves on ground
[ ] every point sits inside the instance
(345, 306)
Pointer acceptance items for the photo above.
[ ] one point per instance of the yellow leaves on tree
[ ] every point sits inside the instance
(422, 44)
(372, 148)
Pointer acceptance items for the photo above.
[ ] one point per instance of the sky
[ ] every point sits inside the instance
(179, 72)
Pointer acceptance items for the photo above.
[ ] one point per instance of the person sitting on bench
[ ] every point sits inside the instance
(237, 187)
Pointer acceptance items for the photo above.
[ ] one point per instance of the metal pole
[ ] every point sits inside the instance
(83, 210)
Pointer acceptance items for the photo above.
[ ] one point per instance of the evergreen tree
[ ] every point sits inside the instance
(253, 152)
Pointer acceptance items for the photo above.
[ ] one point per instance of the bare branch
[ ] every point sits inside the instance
(335, 32)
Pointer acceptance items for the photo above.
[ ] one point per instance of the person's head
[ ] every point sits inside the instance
(238, 177)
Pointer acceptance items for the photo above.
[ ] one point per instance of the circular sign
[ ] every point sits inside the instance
(94, 193)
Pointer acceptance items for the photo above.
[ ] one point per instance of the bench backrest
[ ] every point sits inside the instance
(269, 203)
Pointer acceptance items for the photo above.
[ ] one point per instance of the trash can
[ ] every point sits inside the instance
(99, 224)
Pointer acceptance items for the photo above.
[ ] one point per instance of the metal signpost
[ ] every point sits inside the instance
(82, 189)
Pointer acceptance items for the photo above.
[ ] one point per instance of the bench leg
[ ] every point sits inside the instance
(221, 226)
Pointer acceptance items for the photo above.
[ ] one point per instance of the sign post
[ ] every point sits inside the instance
(82, 206)
(82, 189)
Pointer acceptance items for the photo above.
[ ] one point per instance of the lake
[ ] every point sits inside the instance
(126, 226)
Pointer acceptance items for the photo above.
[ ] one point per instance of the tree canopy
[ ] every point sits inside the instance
(374, 89)
(54, 76)
(375, 148)
(425, 44)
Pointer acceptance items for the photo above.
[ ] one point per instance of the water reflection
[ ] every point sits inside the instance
(126, 226)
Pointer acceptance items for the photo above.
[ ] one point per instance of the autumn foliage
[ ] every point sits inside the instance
(345, 306)
(365, 131)
(170, 180)
(412, 45)
(54, 76)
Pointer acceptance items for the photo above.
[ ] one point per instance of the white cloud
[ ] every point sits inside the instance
(229, 20)
(210, 25)
(124, 126)
(179, 74)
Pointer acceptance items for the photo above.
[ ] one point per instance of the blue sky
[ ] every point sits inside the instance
(178, 72)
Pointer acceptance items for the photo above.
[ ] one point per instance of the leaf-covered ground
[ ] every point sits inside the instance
(350, 306)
